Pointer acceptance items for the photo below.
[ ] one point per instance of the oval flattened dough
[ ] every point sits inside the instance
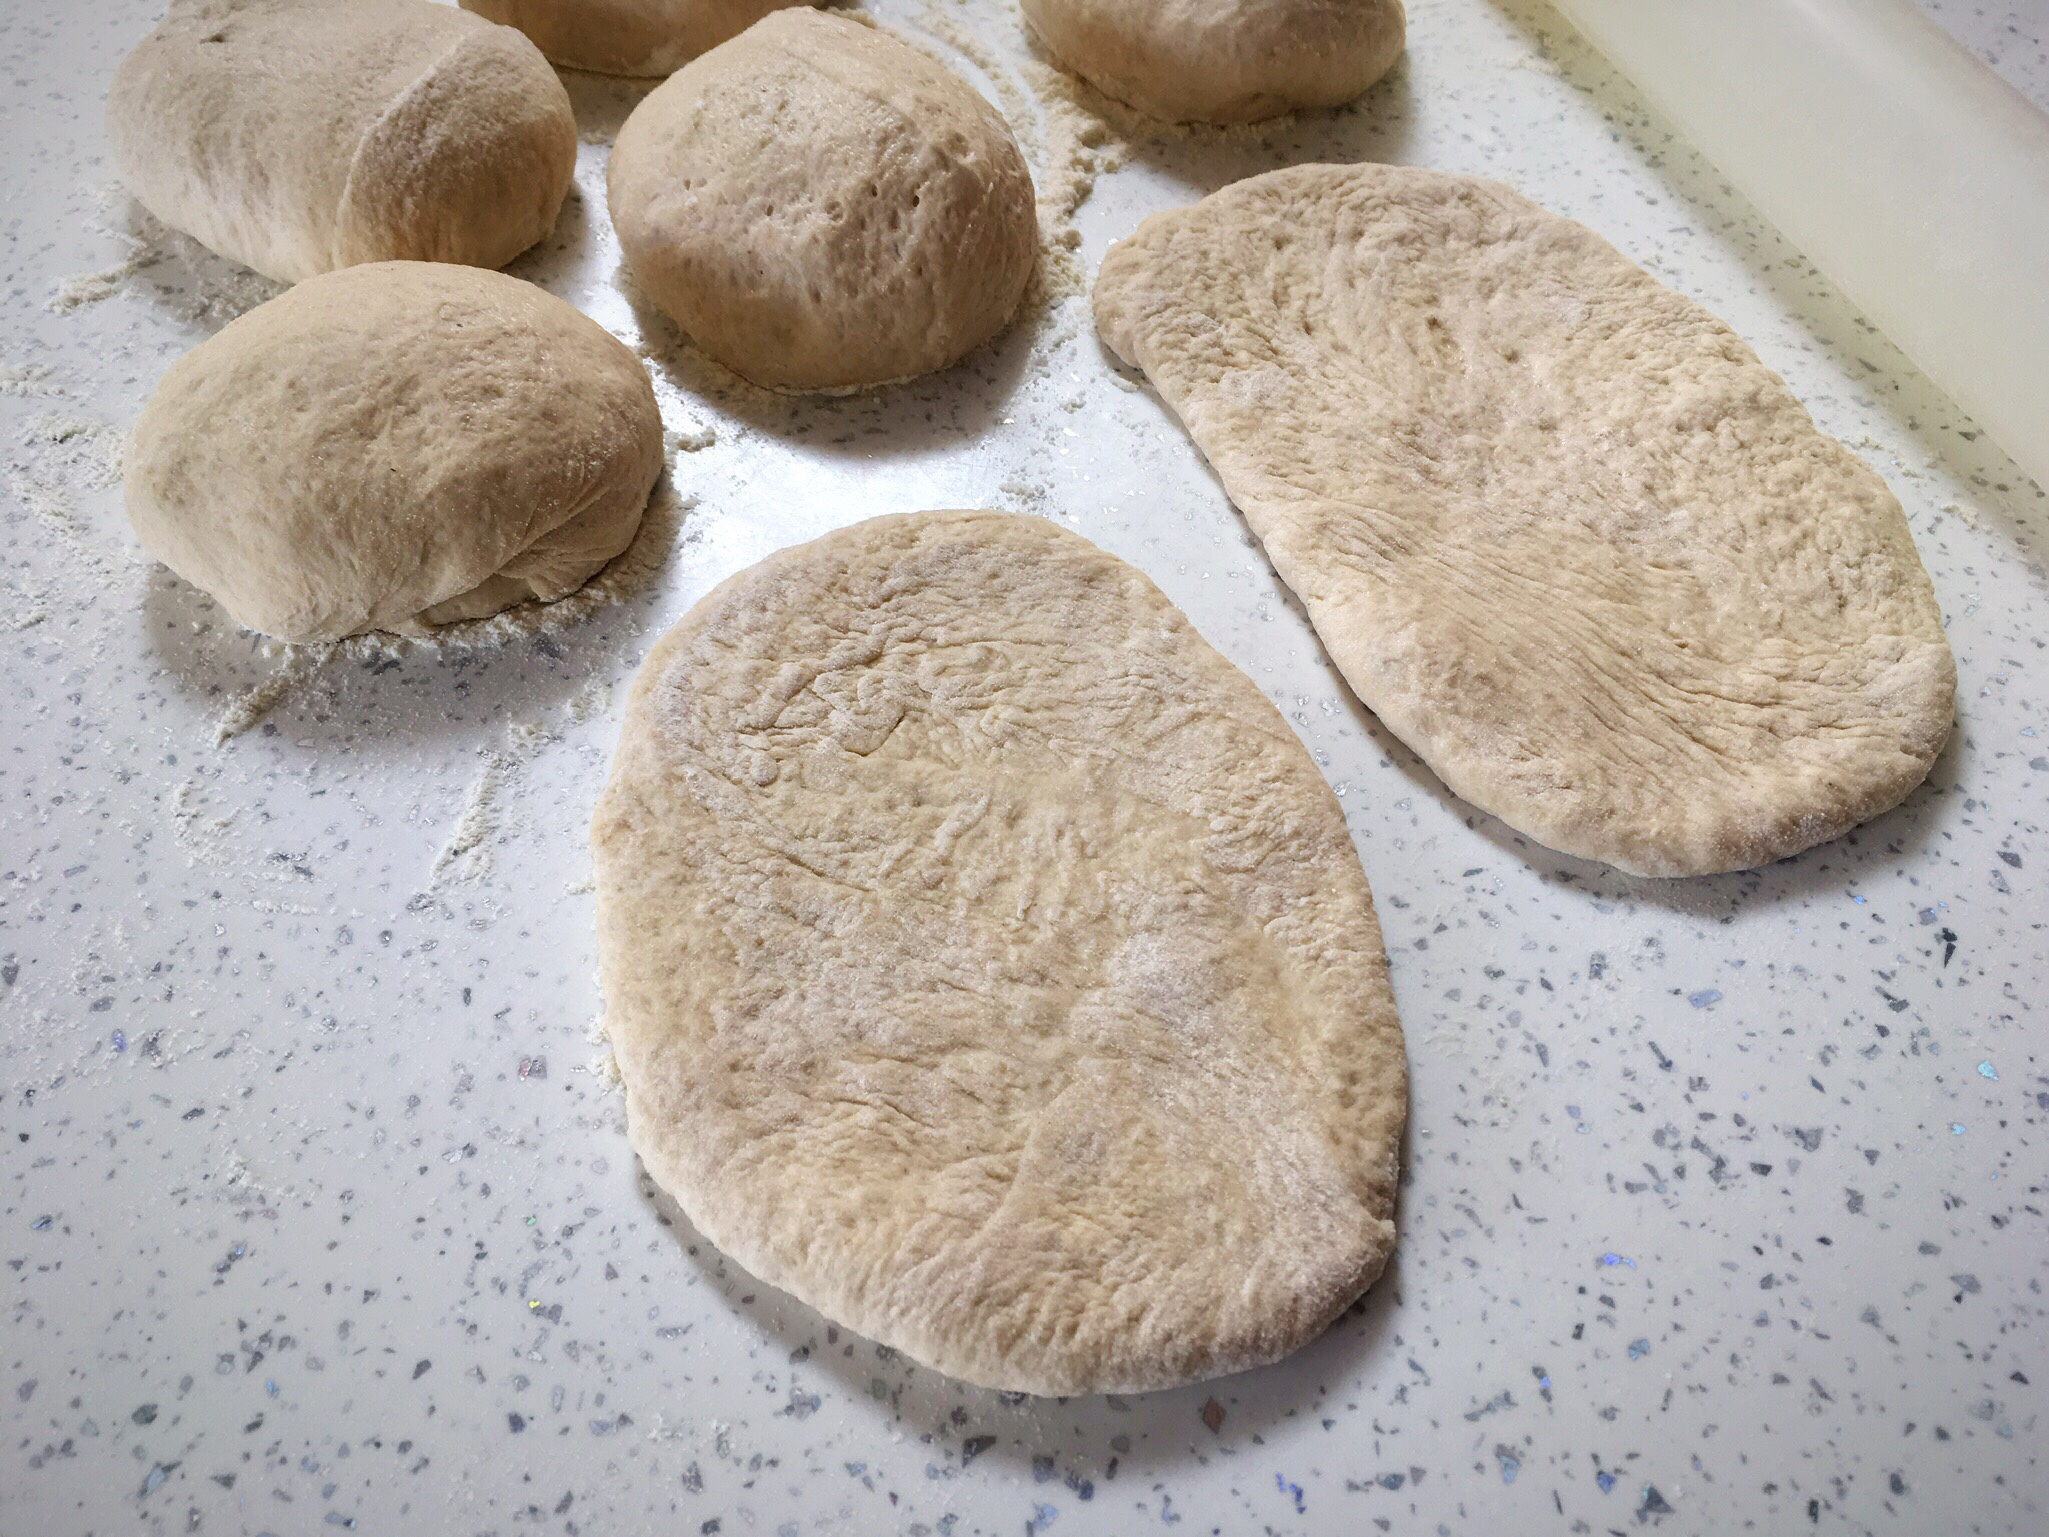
(627, 37)
(1556, 524)
(823, 207)
(1223, 61)
(299, 136)
(394, 447)
(989, 965)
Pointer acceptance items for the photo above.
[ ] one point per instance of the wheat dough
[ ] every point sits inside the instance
(627, 37)
(989, 966)
(394, 447)
(1223, 61)
(1556, 524)
(823, 207)
(298, 136)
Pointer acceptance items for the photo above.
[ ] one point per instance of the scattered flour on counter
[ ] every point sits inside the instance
(29, 380)
(603, 1065)
(208, 288)
(591, 700)
(65, 458)
(239, 1186)
(83, 288)
(468, 854)
(1027, 493)
(248, 708)
(200, 836)
(693, 442)
(73, 453)
(468, 849)
(23, 608)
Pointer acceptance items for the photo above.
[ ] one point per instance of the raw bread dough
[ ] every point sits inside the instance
(823, 207)
(627, 37)
(1557, 525)
(298, 136)
(1223, 61)
(393, 447)
(989, 965)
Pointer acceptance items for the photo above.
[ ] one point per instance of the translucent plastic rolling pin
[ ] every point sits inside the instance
(1905, 169)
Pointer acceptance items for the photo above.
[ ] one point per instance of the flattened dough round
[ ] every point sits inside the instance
(989, 965)
(627, 37)
(1556, 524)
(822, 207)
(394, 447)
(298, 136)
(1223, 61)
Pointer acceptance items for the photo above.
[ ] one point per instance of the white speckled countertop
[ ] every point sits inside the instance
(1724, 1206)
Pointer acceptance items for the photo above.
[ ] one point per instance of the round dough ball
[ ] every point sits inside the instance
(627, 37)
(394, 447)
(298, 136)
(823, 207)
(1223, 61)
(989, 966)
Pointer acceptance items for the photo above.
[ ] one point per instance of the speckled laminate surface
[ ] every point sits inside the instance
(1724, 1209)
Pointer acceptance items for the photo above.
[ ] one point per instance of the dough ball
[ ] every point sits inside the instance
(1222, 61)
(989, 965)
(1556, 524)
(823, 207)
(393, 447)
(627, 37)
(298, 136)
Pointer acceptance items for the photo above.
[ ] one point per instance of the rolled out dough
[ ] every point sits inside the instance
(989, 965)
(1557, 525)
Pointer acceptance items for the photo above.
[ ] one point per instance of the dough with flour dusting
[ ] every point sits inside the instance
(988, 964)
(1223, 61)
(1557, 525)
(395, 447)
(298, 136)
(823, 207)
(627, 37)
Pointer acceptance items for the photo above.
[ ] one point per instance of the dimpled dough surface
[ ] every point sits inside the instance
(298, 136)
(989, 965)
(627, 37)
(1556, 524)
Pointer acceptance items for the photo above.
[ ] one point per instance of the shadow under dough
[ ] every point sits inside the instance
(938, 410)
(1156, 1430)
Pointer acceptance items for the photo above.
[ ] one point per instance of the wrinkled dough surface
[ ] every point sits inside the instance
(299, 136)
(989, 965)
(392, 447)
(1557, 525)
(627, 37)
(1223, 61)
(821, 206)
